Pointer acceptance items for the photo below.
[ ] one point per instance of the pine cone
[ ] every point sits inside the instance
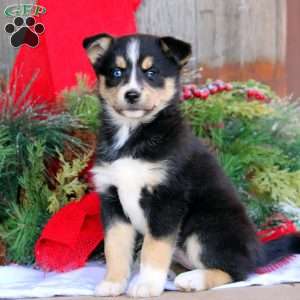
(88, 138)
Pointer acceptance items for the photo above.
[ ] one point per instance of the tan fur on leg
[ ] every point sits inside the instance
(198, 280)
(215, 277)
(119, 242)
(155, 261)
(157, 253)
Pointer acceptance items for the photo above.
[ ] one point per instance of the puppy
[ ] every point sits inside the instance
(157, 179)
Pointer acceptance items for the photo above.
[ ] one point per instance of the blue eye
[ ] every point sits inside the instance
(117, 72)
(150, 73)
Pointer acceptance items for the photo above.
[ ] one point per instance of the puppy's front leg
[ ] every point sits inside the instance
(119, 242)
(155, 261)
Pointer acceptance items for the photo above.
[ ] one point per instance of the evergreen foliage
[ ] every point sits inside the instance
(256, 142)
(82, 103)
(68, 184)
(31, 136)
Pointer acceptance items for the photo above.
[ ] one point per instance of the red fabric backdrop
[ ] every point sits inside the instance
(59, 55)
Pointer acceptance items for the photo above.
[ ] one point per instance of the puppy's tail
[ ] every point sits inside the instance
(278, 249)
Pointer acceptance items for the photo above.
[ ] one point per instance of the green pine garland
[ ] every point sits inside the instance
(31, 136)
(24, 220)
(68, 185)
(83, 104)
(257, 143)
(21, 124)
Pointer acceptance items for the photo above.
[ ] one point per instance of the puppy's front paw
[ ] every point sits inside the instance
(146, 288)
(109, 288)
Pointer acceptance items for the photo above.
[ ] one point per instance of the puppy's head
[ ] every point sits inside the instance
(139, 73)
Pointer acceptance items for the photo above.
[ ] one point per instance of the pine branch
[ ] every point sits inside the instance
(257, 143)
(83, 104)
(68, 185)
(25, 123)
(24, 221)
(278, 185)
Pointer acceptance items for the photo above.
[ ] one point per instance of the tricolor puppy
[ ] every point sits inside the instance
(156, 178)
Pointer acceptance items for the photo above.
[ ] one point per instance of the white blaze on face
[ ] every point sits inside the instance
(133, 53)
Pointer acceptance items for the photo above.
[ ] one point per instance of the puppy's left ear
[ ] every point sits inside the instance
(97, 45)
(179, 50)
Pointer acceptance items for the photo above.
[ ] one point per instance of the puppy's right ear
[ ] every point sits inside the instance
(97, 45)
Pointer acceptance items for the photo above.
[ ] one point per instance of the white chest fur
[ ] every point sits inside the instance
(130, 176)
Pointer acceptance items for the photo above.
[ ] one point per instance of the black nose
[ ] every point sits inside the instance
(132, 96)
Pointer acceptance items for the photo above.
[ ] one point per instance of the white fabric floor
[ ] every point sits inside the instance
(18, 281)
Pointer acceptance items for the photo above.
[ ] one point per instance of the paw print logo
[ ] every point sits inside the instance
(24, 32)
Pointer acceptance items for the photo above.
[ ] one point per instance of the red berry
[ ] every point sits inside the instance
(190, 86)
(251, 93)
(185, 88)
(212, 88)
(256, 94)
(221, 86)
(187, 94)
(197, 93)
(205, 93)
(260, 96)
(228, 86)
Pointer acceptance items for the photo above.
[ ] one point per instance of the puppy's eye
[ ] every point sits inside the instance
(151, 73)
(116, 72)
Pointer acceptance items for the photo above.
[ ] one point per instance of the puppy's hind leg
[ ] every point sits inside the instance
(201, 279)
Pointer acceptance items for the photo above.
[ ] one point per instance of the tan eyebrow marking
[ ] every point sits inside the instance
(121, 62)
(147, 63)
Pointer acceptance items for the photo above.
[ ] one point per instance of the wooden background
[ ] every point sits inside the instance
(221, 32)
(231, 39)
(7, 52)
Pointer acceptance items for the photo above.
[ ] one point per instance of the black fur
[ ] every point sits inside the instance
(278, 249)
(197, 198)
(176, 49)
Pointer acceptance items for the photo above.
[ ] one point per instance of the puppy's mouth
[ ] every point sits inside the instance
(133, 112)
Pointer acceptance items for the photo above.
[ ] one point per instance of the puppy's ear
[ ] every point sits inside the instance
(97, 45)
(179, 50)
